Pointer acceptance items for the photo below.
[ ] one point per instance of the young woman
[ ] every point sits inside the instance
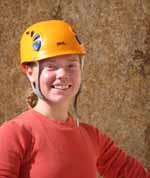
(46, 141)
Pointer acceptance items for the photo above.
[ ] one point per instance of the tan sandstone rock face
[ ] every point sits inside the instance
(116, 78)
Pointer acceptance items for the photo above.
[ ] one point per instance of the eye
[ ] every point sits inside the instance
(51, 67)
(73, 65)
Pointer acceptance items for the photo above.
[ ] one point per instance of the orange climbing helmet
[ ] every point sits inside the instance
(49, 39)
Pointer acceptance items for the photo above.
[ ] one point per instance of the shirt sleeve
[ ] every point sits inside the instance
(13, 143)
(115, 163)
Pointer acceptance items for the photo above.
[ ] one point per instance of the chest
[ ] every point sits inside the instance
(64, 154)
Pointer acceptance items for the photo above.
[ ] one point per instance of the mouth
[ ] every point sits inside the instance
(61, 87)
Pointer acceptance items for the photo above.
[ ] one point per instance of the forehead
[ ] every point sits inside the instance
(62, 59)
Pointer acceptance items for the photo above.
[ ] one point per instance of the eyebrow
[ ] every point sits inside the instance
(70, 60)
(74, 59)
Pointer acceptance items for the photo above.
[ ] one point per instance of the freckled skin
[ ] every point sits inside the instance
(58, 72)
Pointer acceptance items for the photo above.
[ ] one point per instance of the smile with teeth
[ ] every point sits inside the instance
(61, 87)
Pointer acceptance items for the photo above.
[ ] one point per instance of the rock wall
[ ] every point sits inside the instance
(116, 79)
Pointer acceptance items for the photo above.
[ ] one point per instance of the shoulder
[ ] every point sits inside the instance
(16, 136)
(96, 134)
(90, 128)
(18, 126)
(22, 120)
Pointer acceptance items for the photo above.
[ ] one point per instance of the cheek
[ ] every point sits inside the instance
(46, 78)
(77, 78)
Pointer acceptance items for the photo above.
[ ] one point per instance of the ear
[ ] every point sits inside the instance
(29, 72)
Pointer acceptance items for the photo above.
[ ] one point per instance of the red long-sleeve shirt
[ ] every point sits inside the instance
(33, 146)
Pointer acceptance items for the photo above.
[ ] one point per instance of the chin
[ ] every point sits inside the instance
(60, 99)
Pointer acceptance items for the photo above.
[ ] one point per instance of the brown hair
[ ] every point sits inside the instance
(31, 96)
(32, 100)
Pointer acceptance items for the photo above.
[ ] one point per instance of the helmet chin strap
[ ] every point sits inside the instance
(78, 93)
(37, 91)
(36, 84)
(82, 63)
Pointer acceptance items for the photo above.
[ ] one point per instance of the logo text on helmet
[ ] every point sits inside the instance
(61, 43)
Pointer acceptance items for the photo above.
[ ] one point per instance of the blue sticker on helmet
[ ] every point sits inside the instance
(36, 36)
(37, 45)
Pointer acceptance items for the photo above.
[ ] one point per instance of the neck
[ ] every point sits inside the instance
(54, 111)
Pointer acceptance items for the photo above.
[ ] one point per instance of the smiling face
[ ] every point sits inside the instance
(60, 78)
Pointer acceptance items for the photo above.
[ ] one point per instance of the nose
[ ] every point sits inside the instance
(62, 74)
